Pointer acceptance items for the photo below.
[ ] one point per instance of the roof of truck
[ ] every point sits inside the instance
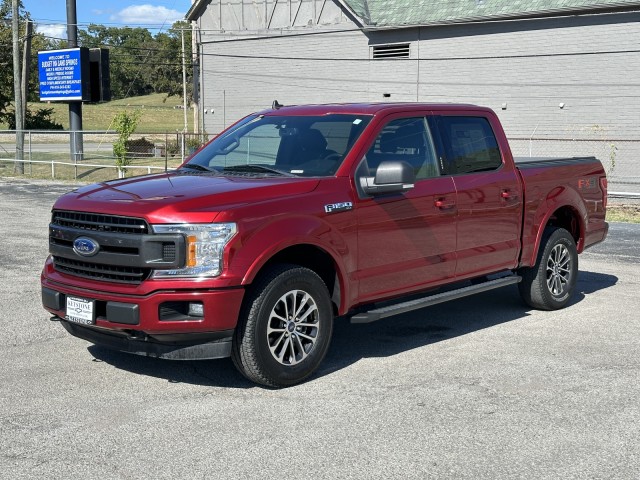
(366, 108)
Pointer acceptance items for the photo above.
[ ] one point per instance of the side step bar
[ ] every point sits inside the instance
(384, 312)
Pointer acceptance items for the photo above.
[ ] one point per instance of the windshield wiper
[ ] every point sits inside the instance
(202, 168)
(252, 167)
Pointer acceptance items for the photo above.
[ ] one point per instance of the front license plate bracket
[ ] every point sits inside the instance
(81, 311)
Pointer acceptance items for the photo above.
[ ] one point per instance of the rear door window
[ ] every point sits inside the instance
(470, 144)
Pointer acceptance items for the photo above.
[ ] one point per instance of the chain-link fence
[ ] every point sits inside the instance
(46, 154)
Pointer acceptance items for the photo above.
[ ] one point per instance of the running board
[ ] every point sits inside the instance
(384, 312)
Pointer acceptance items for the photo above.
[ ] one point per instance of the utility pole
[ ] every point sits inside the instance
(184, 83)
(184, 97)
(75, 108)
(196, 75)
(15, 26)
(26, 67)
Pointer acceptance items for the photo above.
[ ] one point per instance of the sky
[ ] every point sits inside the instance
(50, 16)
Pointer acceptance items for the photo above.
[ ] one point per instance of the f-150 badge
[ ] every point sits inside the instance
(338, 207)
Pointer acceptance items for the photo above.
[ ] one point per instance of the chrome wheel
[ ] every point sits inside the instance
(549, 283)
(293, 327)
(558, 270)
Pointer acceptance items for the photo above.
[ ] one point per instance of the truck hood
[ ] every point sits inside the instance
(167, 197)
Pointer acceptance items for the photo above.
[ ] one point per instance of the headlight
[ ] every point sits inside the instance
(205, 248)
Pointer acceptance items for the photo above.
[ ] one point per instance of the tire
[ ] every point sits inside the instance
(285, 327)
(549, 284)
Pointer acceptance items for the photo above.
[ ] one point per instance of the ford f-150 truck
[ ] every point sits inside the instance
(298, 215)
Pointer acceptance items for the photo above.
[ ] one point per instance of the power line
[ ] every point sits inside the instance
(278, 80)
(154, 64)
(262, 36)
(431, 59)
(152, 26)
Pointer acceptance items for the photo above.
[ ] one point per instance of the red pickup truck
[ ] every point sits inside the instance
(297, 215)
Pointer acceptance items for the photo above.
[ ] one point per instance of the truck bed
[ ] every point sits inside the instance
(550, 183)
(535, 162)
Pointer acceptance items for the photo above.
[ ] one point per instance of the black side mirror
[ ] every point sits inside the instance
(391, 177)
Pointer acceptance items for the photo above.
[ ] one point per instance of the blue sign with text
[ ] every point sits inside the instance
(63, 75)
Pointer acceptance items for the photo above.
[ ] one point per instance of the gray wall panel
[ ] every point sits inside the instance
(584, 63)
(278, 68)
(591, 64)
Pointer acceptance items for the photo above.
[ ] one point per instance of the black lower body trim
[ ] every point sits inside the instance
(197, 346)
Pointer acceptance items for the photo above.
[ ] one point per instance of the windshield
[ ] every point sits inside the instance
(306, 146)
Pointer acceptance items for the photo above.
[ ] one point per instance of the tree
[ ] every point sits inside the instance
(130, 74)
(6, 58)
(39, 43)
(41, 117)
(125, 124)
(139, 62)
(168, 66)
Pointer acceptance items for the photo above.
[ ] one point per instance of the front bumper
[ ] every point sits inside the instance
(150, 324)
(170, 347)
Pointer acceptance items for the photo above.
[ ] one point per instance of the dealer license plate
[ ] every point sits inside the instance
(80, 310)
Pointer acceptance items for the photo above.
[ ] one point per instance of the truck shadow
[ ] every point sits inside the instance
(352, 343)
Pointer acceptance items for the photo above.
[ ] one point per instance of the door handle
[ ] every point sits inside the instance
(443, 204)
(507, 194)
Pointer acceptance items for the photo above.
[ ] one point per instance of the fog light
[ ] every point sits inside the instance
(196, 309)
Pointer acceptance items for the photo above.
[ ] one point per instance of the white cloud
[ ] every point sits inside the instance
(57, 31)
(147, 14)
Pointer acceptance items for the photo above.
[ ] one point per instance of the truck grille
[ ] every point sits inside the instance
(99, 223)
(96, 271)
(128, 250)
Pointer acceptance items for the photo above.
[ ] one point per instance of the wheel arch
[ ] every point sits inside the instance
(566, 212)
(311, 256)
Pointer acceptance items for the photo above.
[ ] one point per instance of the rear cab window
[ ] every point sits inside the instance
(470, 144)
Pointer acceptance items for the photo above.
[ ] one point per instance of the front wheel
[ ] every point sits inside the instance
(549, 284)
(285, 328)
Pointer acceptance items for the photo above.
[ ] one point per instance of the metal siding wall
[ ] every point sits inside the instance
(557, 65)
(234, 87)
(398, 77)
(557, 62)
(560, 61)
(238, 86)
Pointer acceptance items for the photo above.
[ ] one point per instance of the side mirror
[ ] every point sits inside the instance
(391, 177)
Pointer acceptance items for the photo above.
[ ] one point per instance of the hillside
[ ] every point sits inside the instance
(159, 113)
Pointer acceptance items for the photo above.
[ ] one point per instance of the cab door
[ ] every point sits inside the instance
(489, 195)
(406, 241)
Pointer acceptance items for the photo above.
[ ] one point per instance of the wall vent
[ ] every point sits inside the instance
(397, 50)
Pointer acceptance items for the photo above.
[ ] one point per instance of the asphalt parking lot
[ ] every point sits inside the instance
(480, 388)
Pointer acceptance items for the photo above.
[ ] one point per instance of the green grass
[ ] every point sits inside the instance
(159, 114)
(83, 172)
(623, 213)
(159, 122)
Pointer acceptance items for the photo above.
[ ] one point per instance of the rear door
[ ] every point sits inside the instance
(406, 241)
(489, 196)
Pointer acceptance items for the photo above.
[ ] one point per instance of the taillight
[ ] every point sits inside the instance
(603, 187)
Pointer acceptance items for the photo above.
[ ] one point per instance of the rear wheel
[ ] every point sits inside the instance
(549, 284)
(285, 328)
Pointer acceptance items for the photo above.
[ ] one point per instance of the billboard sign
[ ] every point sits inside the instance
(64, 75)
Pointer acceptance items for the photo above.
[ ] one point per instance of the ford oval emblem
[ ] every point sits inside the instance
(85, 246)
